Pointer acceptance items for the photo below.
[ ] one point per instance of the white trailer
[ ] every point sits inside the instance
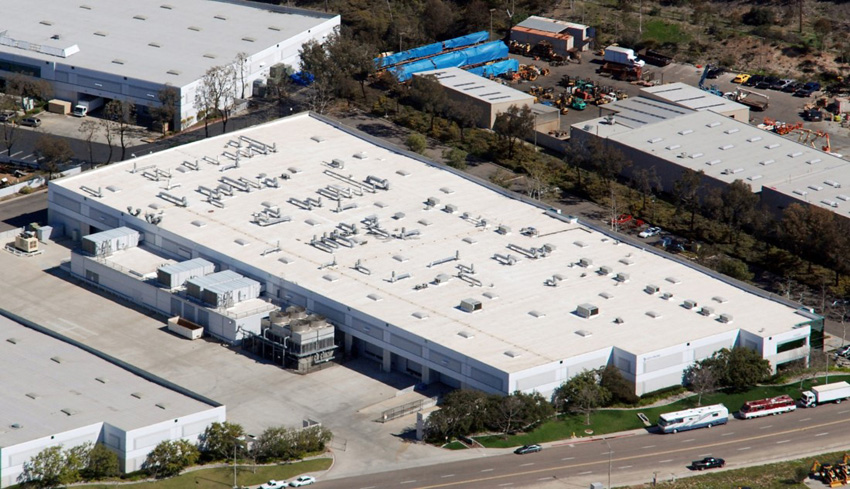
(691, 419)
(87, 104)
(623, 56)
(835, 392)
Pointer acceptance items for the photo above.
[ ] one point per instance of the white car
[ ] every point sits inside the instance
(650, 232)
(304, 480)
(273, 484)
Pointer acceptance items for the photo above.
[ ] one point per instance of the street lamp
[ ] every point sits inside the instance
(610, 455)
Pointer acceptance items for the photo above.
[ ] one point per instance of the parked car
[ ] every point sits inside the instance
(672, 245)
(753, 80)
(715, 71)
(808, 89)
(30, 121)
(304, 480)
(650, 232)
(707, 463)
(844, 351)
(813, 115)
(528, 449)
(622, 219)
(273, 484)
(781, 84)
(741, 78)
(6, 115)
(792, 87)
(766, 82)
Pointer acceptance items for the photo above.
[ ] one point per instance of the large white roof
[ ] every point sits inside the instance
(520, 314)
(694, 98)
(50, 387)
(149, 38)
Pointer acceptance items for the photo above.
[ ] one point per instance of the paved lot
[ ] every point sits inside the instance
(347, 399)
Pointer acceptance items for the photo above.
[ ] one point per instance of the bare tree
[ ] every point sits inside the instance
(52, 152)
(108, 128)
(215, 95)
(240, 67)
(123, 115)
(702, 378)
(10, 129)
(25, 86)
(166, 111)
(88, 130)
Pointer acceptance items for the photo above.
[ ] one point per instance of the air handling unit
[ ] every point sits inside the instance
(294, 339)
(175, 275)
(107, 242)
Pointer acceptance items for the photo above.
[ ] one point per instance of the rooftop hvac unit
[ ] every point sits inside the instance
(651, 289)
(470, 305)
(604, 270)
(587, 310)
(706, 311)
(450, 208)
(666, 296)
(27, 244)
(725, 318)
(585, 262)
(622, 277)
(432, 201)
(689, 304)
(503, 230)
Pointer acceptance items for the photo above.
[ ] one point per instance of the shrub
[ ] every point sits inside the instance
(26, 190)
(456, 158)
(416, 143)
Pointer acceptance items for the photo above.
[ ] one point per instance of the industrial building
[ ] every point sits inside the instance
(58, 392)
(565, 37)
(423, 268)
(690, 97)
(669, 138)
(130, 52)
(489, 98)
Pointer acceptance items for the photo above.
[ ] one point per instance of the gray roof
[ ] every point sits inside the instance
(50, 387)
(146, 40)
(637, 112)
(685, 95)
(186, 266)
(212, 279)
(543, 24)
(478, 87)
(111, 234)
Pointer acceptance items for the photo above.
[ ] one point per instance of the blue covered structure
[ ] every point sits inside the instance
(431, 49)
(497, 68)
(455, 59)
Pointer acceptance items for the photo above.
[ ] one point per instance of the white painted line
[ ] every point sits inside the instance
(689, 439)
(447, 475)
(783, 441)
(19, 152)
(744, 448)
(804, 419)
(368, 487)
(704, 455)
(822, 434)
(608, 453)
(845, 411)
(585, 473)
(526, 465)
(407, 482)
(506, 484)
(545, 479)
(665, 461)
(728, 434)
(766, 427)
(487, 470)
(649, 446)
(568, 458)
(625, 467)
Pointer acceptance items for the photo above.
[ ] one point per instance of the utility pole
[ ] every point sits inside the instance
(235, 485)
(491, 24)
(610, 455)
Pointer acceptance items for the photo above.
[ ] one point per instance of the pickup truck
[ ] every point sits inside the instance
(707, 463)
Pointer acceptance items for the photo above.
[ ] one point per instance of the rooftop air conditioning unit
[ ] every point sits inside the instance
(587, 310)
(470, 305)
(689, 304)
(706, 311)
(585, 262)
(725, 318)
(651, 289)
(503, 230)
(666, 296)
(450, 208)
(622, 277)
(432, 201)
(603, 270)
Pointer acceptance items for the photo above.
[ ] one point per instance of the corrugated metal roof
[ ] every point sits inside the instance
(214, 278)
(543, 24)
(231, 285)
(111, 234)
(186, 266)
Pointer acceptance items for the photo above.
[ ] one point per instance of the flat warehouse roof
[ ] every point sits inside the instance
(478, 87)
(168, 41)
(50, 387)
(692, 97)
(529, 284)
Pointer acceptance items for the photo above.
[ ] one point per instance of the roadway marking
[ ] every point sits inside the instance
(447, 475)
(634, 457)
(545, 479)
(368, 487)
(744, 448)
(728, 434)
(649, 446)
(407, 482)
(568, 458)
(704, 455)
(608, 453)
(19, 152)
(822, 434)
(487, 470)
(526, 465)
(665, 461)
(783, 441)
(845, 411)
(626, 467)
(506, 484)
(805, 419)
(689, 439)
(766, 427)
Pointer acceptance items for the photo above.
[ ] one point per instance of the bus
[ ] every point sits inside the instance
(691, 419)
(765, 407)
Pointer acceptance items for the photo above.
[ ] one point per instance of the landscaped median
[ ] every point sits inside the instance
(606, 421)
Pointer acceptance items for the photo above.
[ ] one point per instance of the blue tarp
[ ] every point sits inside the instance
(497, 68)
(466, 40)
(302, 78)
(469, 56)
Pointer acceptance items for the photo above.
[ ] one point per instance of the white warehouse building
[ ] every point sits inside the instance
(129, 51)
(422, 268)
(56, 392)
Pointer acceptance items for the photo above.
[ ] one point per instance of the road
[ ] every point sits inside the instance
(632, 458)
(21, 211)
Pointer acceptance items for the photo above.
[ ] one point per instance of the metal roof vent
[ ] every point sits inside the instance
(118, 61)
(420, 315)
(446, 190)
(173, 72)
(466, 334)
(137, 395)
(503, 230)
(330, 277)
(399, 215)
(13, 341)
(666, 296)
(154, 44)
(584, 333)
(605, 270)
(32, 395)
(537, 314)
(653, 314)
(689, 304)
(725, 318)
(491, 295)
(469, 240)
(585, 262)
(46, 22)
(651, 289)
(450, 208)
(720, 299)
(375, 297)
(242, 242)
(400, 258)
(622, 277)
(470, 305)
(102, 380)
(424, 222)
(618, 320)
(706, 311)
(275, 28)
(209, 56)
(626, 261)
(587, 310)
(56, 359)
(361, 155)
(606, 295)
(318, 139)
(513, 353)
(16, 426)
(69, 411)
(380, 204)
(113, 188)
(403, 173)
(194, 28)
(285, 260)
(311, 222)
(249, 39)
(140, 17)
(161, 405)
(442, 278)
(673, 280)
(199, 224)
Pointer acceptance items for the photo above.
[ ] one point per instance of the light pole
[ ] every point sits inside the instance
(610, 455)
(491, 23)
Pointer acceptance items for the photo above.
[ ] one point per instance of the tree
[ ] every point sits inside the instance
(429, 96)
(221, 440)
(738, 369)
(281, 443)
(437, 18)
(513, 125)
(102, 464)
(581, 394)
(10, 131)
(736, 206)
(52, 153)
(702, 377)
(464, 114)
(316, 61)
(166, 112)
(517, 411)
(122, 116)
(687, 193)
(622, 391)
(168, 458)
(88, 130)
(24, 86)
(464, 411)
(608, 162)
(647, 183)
(241, 67)
(44, 469)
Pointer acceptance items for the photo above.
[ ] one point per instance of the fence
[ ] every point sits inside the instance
(408, 408)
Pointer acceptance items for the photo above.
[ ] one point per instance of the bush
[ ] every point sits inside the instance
(26, 190)
(734, 268)
(456, 158)
(169, 458)
(416, 143)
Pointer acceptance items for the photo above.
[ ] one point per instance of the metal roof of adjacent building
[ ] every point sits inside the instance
(691, 97)
(548, 25)
(827, 189)
(637, 112)
(528, 315)
(172, 41)
(50, 387)
(478, 87)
